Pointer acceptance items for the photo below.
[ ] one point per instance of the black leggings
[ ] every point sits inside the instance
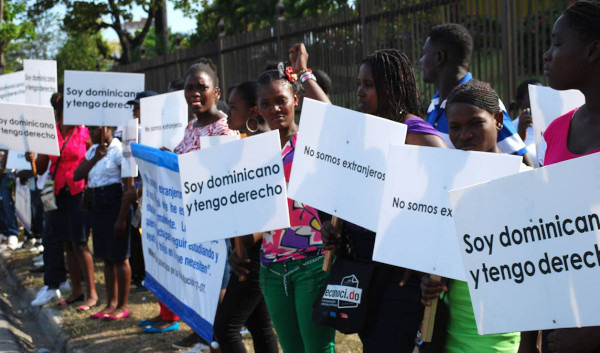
(244, 303)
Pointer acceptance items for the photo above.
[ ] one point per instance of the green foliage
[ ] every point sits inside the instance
(242, 15)
(13, 28)
(82, 51)
(93, 16)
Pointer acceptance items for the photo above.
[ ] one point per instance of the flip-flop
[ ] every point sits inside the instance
(65, 303)
(110, 317)
(172, 327)
(98, 315)
(84, 307)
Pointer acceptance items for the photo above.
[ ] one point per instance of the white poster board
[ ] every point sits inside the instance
(41, 81)
(530, 247)
(12, 87)
(234, 189)
(548, 104)
(416, 227)
(163, 119)
(340, 161)
(23, 204)
(185, 275)
(28, 128)
(209, 141)
(100, 98)
(130, 134)
(16, 160)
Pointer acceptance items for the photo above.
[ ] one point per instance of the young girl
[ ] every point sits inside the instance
(474, 119)
(243, 302)
(102, 167)
(573, 62)
(386, 88)
(291, 258)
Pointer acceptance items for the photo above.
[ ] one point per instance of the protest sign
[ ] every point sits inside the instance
(163, 119)
(40, 81)
(234, 189)
(130, 134)
(530, 247)
(100, 98)
(340, 161)
(23, 204)
(185, 275)
(12, 87)
(209, 141)
(28, 128)
(416, 228)
(16, 160)
(548, 104)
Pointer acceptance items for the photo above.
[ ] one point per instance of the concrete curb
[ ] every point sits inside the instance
(49, 319)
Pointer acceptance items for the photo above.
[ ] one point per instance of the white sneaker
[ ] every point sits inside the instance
(40, 257)
(13, 242)
(39, 264)
(45, 295)
(65, 287)
(36, 248)
(198, 348)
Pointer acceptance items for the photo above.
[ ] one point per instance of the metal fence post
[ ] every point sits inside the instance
(509, 52)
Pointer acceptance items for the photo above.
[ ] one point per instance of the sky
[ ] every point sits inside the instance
(176, 20)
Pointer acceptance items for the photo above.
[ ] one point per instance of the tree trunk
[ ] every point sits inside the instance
(161, 28)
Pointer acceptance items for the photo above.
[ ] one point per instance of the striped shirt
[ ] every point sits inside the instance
(508, 140)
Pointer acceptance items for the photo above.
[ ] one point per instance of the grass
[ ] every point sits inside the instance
(97, 336)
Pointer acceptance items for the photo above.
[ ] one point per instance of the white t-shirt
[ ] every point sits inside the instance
(108, 170)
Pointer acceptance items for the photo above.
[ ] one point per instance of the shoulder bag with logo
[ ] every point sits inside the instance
(345, 299)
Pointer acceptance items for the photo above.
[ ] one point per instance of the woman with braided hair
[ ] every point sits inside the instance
(474, 120)
(386, 88)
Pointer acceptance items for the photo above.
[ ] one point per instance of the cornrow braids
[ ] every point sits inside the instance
(477, 93)
(204, 65)
(276, 75)
(583, 18)
(394, 77)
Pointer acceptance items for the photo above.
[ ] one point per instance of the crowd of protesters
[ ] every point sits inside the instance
(271, 286)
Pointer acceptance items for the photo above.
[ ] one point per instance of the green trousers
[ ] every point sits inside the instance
(290, 290)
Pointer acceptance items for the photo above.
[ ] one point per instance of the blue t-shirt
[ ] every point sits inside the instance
(508, 140)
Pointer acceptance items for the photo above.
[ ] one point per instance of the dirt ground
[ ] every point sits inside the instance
(96, 336)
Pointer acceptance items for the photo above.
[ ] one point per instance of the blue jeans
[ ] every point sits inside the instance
(8, 219)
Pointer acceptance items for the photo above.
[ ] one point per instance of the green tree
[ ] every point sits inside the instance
(94, 16)
(12, 26)
(82, 51)
(241, 15)
(44, 46)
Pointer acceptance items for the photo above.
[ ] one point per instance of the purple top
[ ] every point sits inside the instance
(417, 125)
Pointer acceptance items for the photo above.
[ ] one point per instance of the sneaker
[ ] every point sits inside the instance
(13, 242)
(45, 295)
(40, 257)
(65, 287)
(37, 249)
(38, 264)
(189, 342)
(198, 348)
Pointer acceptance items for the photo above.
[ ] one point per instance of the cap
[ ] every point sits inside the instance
(140, 95)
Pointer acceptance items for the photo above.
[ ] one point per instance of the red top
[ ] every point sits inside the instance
(71, 156)
(556, 137)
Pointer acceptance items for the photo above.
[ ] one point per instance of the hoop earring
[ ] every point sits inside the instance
(248, 126)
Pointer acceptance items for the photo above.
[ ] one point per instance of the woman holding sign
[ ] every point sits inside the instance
(102, 168)
(474, 119)
(386, 88)
(291, 258)
(573, 62)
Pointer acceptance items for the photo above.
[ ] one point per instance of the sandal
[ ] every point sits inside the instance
(110, 317)
(67, 302)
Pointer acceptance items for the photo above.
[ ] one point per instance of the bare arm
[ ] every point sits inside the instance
(299, 59)
(83, 169)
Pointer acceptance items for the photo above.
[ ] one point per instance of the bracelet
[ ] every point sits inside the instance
(303, 71)
(307, 76)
